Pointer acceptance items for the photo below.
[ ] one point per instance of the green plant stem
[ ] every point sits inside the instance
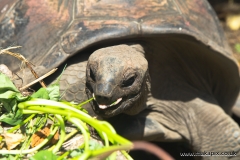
(85, 102)
(111, 149)
(19, 125)
(17, 157)
(93, 122)
(63, 155)
(73, 115)
(66, 137)
(34, 126)
(32, 149)
(105, 137)
(126, 155)
(113, 156)
(39, 122)
(73, 132)
(62, 109)
(31, 112)
(26, 143)
(108, 126)
(80, 125)
(39, 102)
(62, 134)
(83, 156)
(103, 152)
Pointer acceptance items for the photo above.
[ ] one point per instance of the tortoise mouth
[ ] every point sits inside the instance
(104, 106)
(117, 107)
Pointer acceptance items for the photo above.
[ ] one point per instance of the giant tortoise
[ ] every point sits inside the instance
(159, 70)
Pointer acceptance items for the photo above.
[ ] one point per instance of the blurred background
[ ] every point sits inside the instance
(228, 12)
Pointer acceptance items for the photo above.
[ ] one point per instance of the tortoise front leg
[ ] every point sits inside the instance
(205, 127)
(215, 131)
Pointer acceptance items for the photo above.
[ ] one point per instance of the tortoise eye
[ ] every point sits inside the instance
(92, 75)
(129, 81)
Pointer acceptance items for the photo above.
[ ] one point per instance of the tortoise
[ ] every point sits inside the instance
(158, 70)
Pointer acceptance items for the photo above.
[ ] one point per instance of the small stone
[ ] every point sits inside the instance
(4, 69)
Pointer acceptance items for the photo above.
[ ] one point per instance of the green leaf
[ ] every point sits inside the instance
(94, 145)
(54, 91)
(9, 97)
(44, 155)
(11, 118)
(76, 152)
(51, 92)
(41, 93)
(6, 84)
(7, 157)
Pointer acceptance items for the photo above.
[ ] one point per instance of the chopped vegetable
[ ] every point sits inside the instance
(34, 113)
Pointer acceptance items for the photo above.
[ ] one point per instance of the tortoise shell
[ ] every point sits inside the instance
(52, 31)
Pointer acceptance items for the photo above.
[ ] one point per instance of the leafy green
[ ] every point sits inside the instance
(6, 84)
(41, 93)
(44, 154)
(46, 102)
(51, 92)
(9, 98)
(94, 145)
(54, 91)
(8, 157)
(76, 152)
(12, 118)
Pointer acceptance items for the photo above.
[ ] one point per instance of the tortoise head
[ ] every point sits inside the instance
(117, 78)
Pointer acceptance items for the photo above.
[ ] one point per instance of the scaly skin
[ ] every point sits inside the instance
(198, 120)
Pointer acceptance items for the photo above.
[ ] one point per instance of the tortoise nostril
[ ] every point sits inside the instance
(102, 99)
